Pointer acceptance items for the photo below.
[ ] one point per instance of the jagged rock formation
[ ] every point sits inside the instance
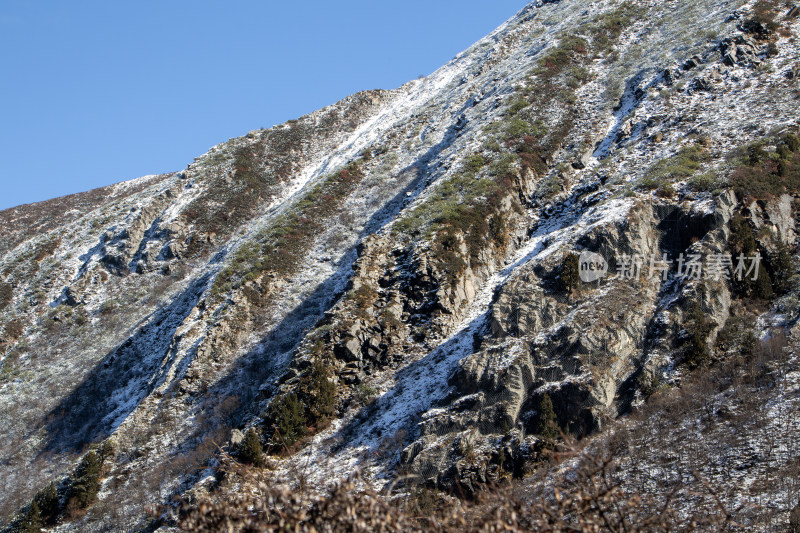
(412, 247)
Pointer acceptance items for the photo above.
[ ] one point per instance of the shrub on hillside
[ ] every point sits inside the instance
(760, 174)
(665, 190)
(280, 247)
(563, 55)
(498, 231)
(765, 19)
(704, 182)
(365, 394)
(737, 335)
(586, 497)
(517, 105)
(6, 294)
(474, 163)
(762, 286)
(686, 162)
(609, 26)
(460, 207)
(448, 255)
(516, 127)
(741, 240)
(15, 329)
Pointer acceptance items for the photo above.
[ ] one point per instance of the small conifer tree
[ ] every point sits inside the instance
(320, 392)
(32, 521)
(547, 427)
(498, 231)
(47, 501)
(86, 482)
(697, 351)
(570, 273)
(762, 286)
(250, 450)
(288, 419)
(742, 242)
(783, 269)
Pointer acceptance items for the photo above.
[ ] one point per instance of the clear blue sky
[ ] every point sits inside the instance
(96, 92)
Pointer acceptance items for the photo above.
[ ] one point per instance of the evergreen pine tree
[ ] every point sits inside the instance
(321, 393)
(498, 231)
(570, 273)
(548, 426)
(289, 419)
(742, 239)
(762, 286)
(742, 242)
(792, 142)
(794, 519)
(783, 269)
(250, 450)
(106, 450)
(32, 521)
(48, 503)
(697, 352)
(86, 483)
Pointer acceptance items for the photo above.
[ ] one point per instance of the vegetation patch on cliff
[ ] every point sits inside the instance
(767, 168)
(6, 294)
(70, 499)
(233, 199)
(305, 410)
(281, 247)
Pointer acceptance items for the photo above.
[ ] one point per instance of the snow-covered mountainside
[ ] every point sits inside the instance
(563, 233)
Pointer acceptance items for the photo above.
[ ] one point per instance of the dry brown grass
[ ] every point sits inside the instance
(584, 498)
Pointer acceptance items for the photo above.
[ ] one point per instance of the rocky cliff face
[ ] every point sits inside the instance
(394, 282)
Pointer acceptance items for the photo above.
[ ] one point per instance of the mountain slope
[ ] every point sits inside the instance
(387, 284)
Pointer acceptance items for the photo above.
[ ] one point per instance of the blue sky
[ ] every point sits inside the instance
(96, 92)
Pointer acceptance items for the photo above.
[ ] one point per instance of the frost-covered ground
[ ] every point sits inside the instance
(168, 335)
